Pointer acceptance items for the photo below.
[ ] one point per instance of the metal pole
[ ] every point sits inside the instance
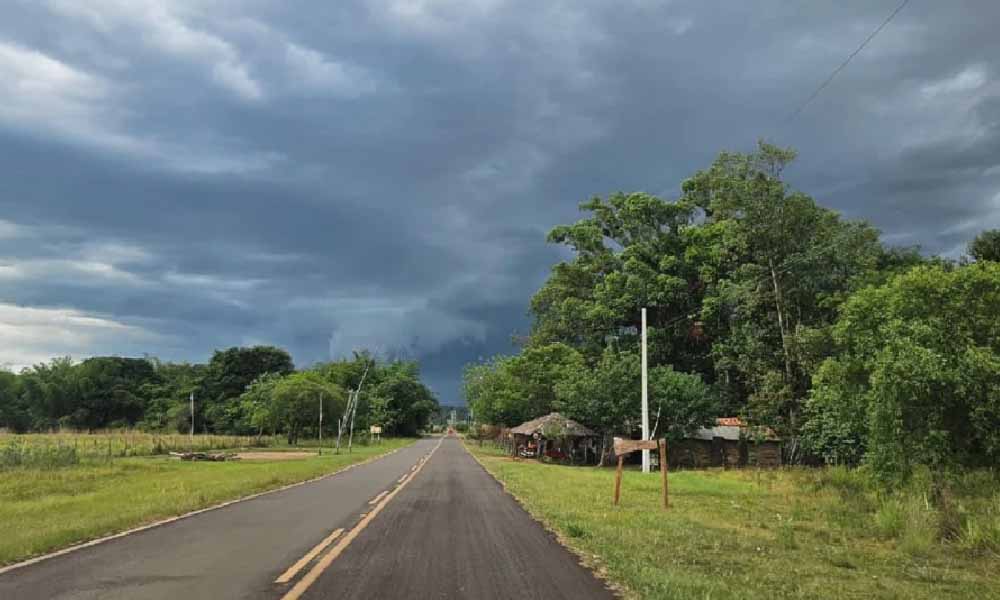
(645, 396)
(192, 420)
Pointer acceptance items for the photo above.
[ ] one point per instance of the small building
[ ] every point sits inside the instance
(554, 437)
(732, 443)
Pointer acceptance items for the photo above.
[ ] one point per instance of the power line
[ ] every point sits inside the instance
(836, 71)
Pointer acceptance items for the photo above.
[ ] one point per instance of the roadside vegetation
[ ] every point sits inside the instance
(84, 445)
(50, 503)
(876, 366)
(767, 306)
(244, 392)
(788, 533)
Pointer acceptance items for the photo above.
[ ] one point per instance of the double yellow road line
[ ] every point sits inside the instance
(380, 501)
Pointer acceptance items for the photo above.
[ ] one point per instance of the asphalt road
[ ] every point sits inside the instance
(403, 526)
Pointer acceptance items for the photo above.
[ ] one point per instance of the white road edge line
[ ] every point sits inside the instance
(121, 534)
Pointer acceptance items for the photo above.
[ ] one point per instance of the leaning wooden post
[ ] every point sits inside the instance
(663, 470)
(618, 478)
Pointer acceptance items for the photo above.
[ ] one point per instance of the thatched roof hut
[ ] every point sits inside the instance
(553, 425)
(553, 436)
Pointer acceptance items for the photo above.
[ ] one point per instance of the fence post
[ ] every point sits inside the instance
(618, 478)
(663, 470)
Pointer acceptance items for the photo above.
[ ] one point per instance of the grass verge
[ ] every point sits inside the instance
(42, 510)
(747, 534)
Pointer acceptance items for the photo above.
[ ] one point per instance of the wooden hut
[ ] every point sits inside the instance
(554, 437)
(731, 443)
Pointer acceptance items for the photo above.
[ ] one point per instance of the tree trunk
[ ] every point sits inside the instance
(789, 375)
(779, 305)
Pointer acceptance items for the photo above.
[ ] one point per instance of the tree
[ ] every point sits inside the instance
(916, 377)
(14, 414)
(607, 397)
(49, 392)
(633, 251)
(294, 401)
(401, 404)
(511, 390)
(986, 246)
(109, 392)
(228, 374)
(781, 266)
(167, 397)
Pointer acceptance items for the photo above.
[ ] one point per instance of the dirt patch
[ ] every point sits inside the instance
(274, 455)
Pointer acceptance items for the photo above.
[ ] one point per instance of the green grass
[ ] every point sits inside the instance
(119, 444)
(792, 533)
(48, 508)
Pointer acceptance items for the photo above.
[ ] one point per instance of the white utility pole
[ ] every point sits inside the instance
(192, 419)
(645, 396)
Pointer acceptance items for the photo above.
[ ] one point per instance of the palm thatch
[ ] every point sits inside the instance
(553, 425)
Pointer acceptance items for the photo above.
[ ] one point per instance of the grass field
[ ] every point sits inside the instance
(119, 444)
(779, 534)
(42, 509)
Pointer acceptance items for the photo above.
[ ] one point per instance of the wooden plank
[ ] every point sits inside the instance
(663, 471)
(623, 446)
(618, 478)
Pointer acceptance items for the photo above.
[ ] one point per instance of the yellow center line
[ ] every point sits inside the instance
(324, 563)
(377, 498)
(294, 569)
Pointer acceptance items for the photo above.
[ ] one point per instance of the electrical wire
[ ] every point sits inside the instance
(844, 64)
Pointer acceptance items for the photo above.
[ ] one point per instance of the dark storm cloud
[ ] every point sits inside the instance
(180, 176)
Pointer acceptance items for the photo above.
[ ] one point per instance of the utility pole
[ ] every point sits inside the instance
(192, 421)
(645, 396)
(321, 423)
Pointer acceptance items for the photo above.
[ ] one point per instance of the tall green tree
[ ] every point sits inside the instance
(228, 374)
(607, 397)
(109, 392)
(294, 403)
(49, 392)
(986, 246)
(401, 403)
(917, 376)
(511, 390)
(14, 414)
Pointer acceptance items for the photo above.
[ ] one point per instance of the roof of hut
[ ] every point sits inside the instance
(553, 422)
(732, 428)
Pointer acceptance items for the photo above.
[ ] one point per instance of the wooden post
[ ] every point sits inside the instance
(618, 478)
(663, 470)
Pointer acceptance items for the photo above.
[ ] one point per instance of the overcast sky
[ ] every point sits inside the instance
(182, 176)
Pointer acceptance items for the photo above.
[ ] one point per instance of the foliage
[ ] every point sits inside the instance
(741, 277)
(511, 390)
(986, 246)
(240, 391)
(227, 376)
(917, 376)
(605, 396)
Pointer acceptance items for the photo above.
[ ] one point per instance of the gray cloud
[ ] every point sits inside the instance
(191, 175)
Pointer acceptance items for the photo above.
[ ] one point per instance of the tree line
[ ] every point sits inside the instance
(766, 305)
(240, 391)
